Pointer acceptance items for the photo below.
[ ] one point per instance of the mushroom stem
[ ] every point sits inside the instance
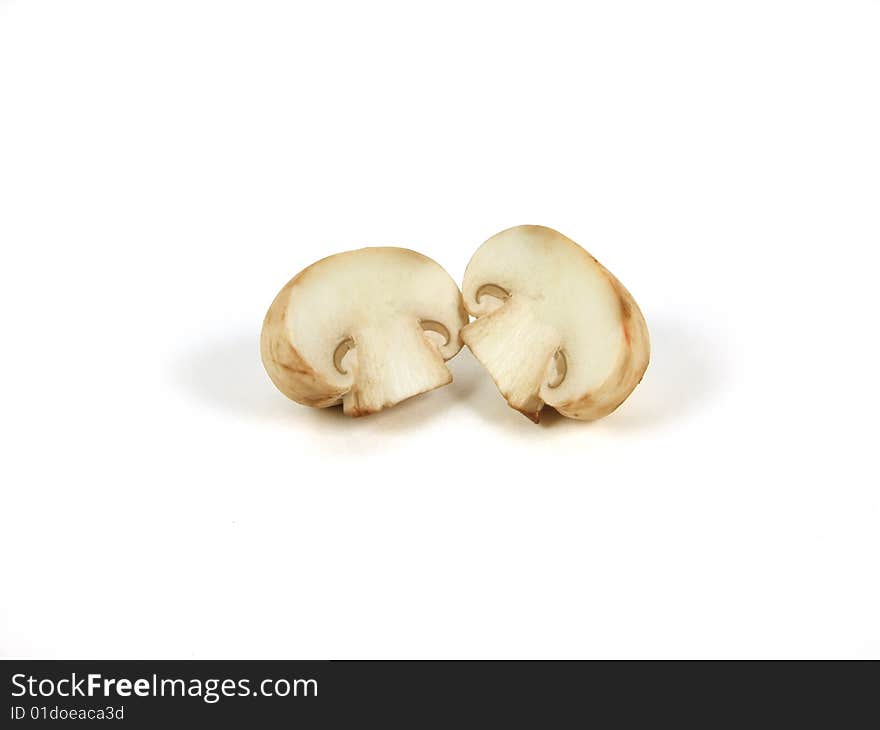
(393, 363)
(517, 350)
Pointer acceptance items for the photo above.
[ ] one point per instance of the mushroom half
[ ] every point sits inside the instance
(366, 328)
(553, 325)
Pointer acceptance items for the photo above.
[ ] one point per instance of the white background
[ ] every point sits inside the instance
(165, 167)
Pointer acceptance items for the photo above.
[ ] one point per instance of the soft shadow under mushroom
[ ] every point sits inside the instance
(226, 374)
(685, 373)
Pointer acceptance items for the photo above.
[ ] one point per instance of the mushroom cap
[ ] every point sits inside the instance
(367, 328)
(553, 325)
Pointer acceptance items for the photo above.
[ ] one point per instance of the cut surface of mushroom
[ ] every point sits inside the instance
(367, 329)
(553, 325)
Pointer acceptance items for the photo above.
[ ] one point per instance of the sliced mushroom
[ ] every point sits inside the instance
(366, 328)
(557, 328)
